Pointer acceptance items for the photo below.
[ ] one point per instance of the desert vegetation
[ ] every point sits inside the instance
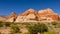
(32, 28)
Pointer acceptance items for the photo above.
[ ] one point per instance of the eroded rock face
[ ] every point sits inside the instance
(48, 13)
(30, 11)
(20, 18)
(59, 18)
(42, 15)
(31, 15)
(26, 16)
(12, 17)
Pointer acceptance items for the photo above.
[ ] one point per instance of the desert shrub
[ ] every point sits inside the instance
(57, 26)
(1, 24)
(14, 33)
(43, 28)
(27, 33)
(37, 28)
(11, 32)
(15, 29)
(7, 24)
(18, 33)
(50, 32)
(25, 23)
(54, 23)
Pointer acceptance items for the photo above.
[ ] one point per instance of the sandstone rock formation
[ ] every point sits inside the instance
(47, 13)
(12, 17)
(32, 16)
(27, 16)
(20, 18)
(59, 18)
(30, 11)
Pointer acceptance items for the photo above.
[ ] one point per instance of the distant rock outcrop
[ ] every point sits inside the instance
(2, 19)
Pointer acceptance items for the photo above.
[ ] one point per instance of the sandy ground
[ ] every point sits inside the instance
(5, 30)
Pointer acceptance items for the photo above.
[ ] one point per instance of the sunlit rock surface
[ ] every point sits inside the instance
(31, 15)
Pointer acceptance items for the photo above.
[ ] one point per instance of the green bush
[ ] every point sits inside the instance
(27, 33)
(43, 28)
(54, 23)
(57, 26)
(15, 29)
(1, 24)
(18, 33)
(7, 24)
(37, 28)
(50, 32)
(11, 32)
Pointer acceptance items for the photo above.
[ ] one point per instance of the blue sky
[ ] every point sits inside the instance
(19, 6)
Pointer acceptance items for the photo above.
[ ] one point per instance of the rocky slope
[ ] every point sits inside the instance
(2, 18)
